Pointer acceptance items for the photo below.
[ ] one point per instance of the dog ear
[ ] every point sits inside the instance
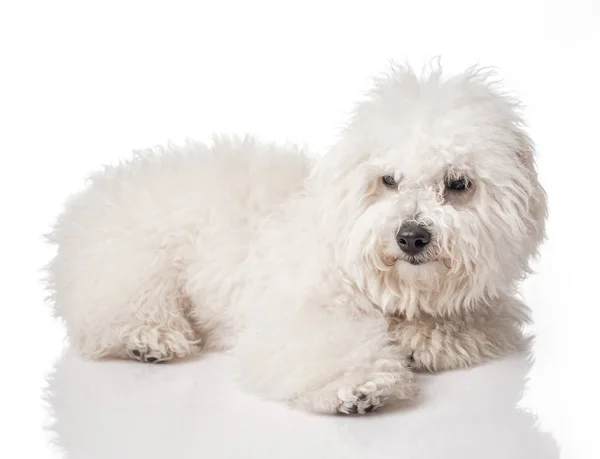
(538, 206)
(526, 157)
(525, 150)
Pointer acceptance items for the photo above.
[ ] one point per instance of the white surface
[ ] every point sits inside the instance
(120, 409)
(81, 84)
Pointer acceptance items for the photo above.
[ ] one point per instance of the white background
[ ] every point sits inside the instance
(84, 83)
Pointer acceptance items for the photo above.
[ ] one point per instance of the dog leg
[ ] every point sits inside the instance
(462, 340)
(152, 323)
(323, 361)
(161, 331)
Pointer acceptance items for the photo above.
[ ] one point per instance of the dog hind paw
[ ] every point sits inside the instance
(156, 344)
(147, 356)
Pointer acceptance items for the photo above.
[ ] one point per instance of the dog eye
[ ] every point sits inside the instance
(389, 181)
(460, 184)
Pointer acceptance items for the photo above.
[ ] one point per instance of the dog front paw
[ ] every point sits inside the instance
(363, 392)
(375, 393)
(361, 400)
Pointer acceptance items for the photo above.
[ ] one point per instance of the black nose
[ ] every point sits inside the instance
(413, 238)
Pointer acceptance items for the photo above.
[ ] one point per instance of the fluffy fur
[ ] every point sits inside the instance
(294, 265)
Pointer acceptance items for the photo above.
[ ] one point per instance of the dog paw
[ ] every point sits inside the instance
(155, 344)
(358, 401)
(147, 356)
(374, 394)
(362, 392)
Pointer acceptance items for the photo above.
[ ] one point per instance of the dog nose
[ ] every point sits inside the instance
(413, 238)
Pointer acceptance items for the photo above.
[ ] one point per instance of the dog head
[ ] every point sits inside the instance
(431, 196)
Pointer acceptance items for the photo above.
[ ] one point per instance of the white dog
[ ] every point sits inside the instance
(400, 249)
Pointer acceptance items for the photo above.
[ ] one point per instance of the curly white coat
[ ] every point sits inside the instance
(295, 266)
